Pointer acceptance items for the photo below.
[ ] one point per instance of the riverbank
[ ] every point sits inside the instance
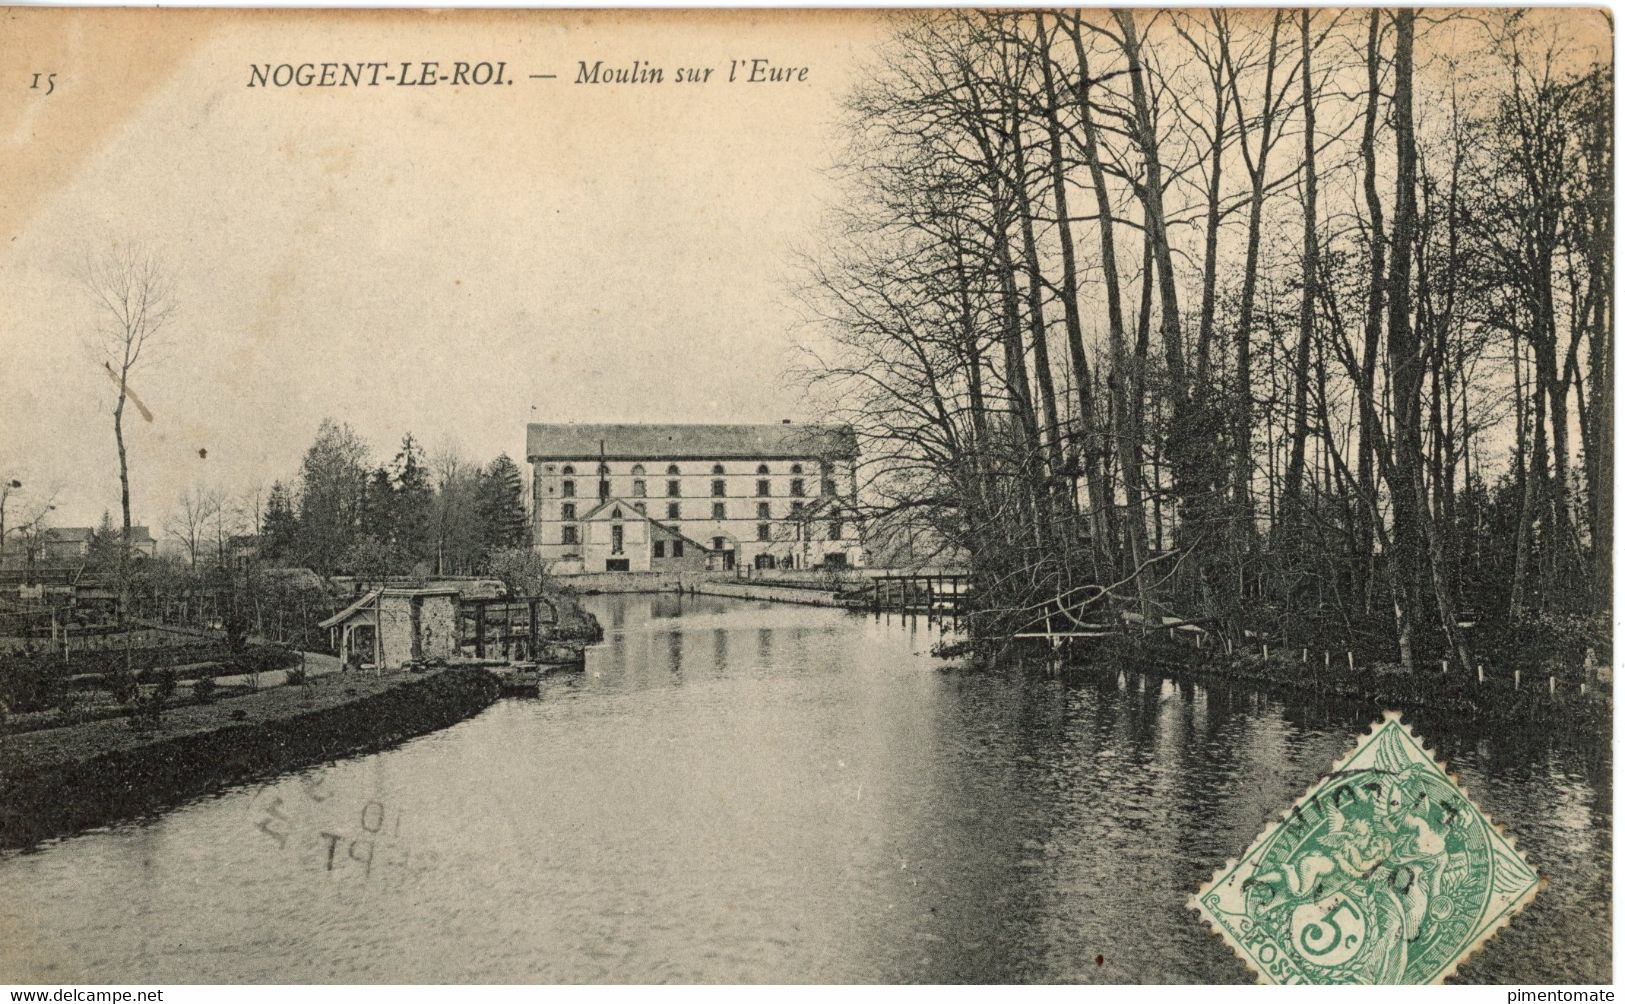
(745, 590)
(813, 592)
(59, 781)
(1498, 695)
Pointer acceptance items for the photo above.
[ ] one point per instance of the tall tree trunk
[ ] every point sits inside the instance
(1185, 440)
(1210, 245)
(1556, 390)
(1124, 380)
(1242, 418)
(1039, 333)
(970, 350)
(1404, 359)
(1100, 501)
(1025, 425)
(124, 536)
(1420, 547)
(1523, 535)
(1600, 449)
(1156, 222)
(1291, 500)
(1369, 422)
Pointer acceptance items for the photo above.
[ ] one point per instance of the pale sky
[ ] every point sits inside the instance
(448, 261)
(453, 262)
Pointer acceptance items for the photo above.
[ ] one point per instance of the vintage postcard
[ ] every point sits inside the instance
(806, 496)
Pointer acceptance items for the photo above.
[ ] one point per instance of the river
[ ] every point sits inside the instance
(741, 792)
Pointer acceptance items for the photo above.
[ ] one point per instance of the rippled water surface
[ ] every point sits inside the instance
(736, 792)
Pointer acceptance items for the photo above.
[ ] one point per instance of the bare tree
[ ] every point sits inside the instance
(132, 295)
(189, 520)
(251, 508)
(998, 160)
(26, 521)
(227, 521)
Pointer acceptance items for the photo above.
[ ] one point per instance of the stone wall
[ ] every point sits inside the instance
(640, 582)
(437, 626)
(769, 593)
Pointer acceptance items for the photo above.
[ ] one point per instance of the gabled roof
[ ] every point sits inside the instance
(571, 441)
(372, 597)
(630, 510)
(680, 535)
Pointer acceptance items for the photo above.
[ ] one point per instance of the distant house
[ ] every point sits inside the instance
(244, 545)
(389, 627)
(618, 535)
(66, 545)
(142, 541)
(63, 545)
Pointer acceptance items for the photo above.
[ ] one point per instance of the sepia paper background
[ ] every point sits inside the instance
(450, 261)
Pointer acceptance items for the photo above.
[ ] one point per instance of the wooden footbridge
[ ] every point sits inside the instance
(941, 596)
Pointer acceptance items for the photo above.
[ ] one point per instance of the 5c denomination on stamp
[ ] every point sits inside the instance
(1383, 872)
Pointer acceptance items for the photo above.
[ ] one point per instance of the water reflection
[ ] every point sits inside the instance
(741, 792)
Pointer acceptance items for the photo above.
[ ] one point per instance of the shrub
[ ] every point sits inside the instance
(262, 659)
(148, 711)
(33, 679)
(575, 622)
(124, 687)
(296, 675)
(29, 681)
(72, 707)
(203, 690)
(108, 660)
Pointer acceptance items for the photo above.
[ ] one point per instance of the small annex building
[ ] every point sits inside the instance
(389, 627)
(618, 535)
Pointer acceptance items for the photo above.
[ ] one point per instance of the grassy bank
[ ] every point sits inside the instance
(1499, 697)
(58, 781)
(33, 679)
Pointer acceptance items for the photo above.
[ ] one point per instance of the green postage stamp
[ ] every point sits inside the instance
(1383, 872)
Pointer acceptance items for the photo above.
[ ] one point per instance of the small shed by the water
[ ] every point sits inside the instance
(389, 627)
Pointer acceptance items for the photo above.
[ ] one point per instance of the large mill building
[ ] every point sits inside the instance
(648, 497)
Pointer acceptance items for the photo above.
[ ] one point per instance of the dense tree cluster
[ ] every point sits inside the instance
(258, 563)
(1295, 324)
(443, 516)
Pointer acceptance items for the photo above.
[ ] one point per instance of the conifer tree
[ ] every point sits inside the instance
(502, 506)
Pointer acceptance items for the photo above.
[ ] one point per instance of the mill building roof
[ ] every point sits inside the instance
(572, 441)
